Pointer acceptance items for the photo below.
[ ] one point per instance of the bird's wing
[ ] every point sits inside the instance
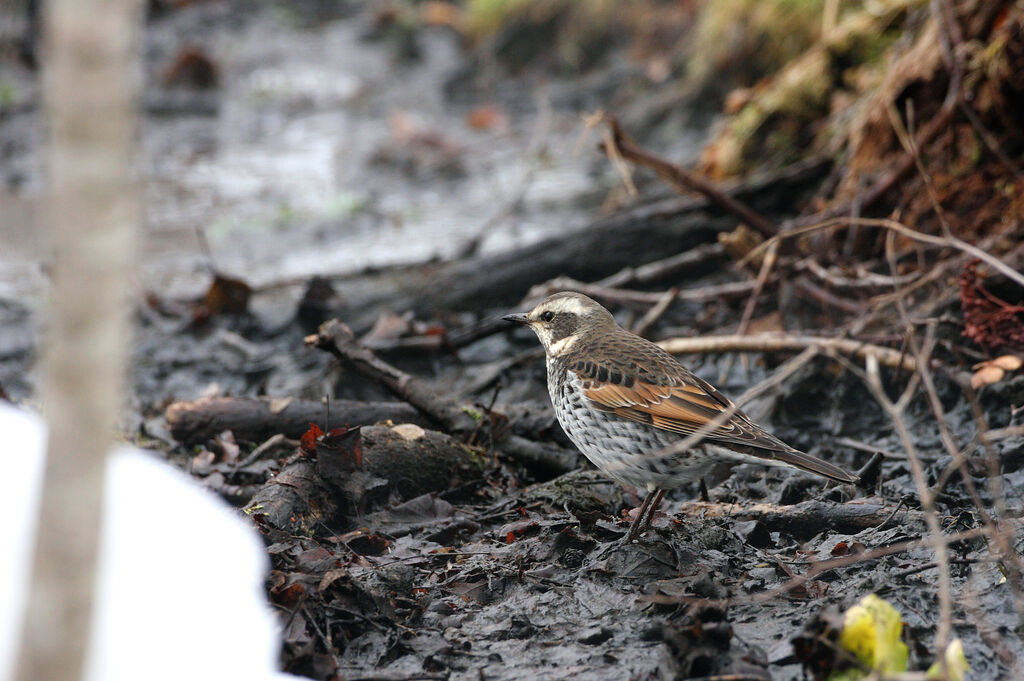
(684, 403)
(683, 406)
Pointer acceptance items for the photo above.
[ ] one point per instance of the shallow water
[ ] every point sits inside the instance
(321, 152)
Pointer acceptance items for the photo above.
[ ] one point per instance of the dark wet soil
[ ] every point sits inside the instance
(512, 572)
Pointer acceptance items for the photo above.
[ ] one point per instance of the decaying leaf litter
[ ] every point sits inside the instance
(437, 524)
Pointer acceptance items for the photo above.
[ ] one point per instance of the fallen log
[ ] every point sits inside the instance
(296, 500)
(338, 339)
(650, 232)
(459, 419)
(254, 419)
(807, 518)
(397, 462)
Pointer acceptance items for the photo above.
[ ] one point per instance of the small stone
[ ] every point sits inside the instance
(593, 636)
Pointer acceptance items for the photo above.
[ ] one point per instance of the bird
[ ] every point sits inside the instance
(637, 413)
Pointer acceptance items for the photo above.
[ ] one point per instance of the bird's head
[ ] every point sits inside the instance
(560, 320)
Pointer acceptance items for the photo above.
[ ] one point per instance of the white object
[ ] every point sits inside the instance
(180, 575)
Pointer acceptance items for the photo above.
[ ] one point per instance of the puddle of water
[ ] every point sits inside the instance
(288, 179)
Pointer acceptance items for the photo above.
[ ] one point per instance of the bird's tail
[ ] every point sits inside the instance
(812, 464)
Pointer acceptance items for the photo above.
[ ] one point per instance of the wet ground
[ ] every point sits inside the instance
(325, 148)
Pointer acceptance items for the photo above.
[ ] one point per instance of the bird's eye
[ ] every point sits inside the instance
(547, 316)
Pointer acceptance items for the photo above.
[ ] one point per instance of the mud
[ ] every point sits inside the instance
(327, 149)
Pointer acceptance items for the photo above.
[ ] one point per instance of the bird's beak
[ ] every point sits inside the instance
(518, 318)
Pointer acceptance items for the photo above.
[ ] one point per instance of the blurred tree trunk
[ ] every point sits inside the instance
(91, 77)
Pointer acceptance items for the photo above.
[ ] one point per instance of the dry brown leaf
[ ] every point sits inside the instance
(986, 375)
(443, 14)
(1008, 362)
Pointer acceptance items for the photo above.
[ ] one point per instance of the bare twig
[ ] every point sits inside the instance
(680, 179)
(865, 280)
(779, 342)
(624, 296)
(336, 338)
(659, 269)
(827, 298)
(865, 447)
(937, 541)
(652, 315)
(892, 225)
(767, 263)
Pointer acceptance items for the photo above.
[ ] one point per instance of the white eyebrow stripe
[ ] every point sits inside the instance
(570, 305)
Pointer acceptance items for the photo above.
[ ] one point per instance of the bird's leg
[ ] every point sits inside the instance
(704, 495)
(636, 528)
(645, 514)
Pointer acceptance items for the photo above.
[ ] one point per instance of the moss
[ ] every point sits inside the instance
(577, 32)
(486, 17)
(777, 124)
(745, 40)
(474, 414)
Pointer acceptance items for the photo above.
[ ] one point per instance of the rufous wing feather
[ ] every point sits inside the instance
(688, 407)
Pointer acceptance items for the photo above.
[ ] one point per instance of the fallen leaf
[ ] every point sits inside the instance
(308, 441)
(191, 68)
(987, 375)
(442, 14)
(956, 663)
(872, 631)
(1008, 362)
(225, 295)
(487, 117)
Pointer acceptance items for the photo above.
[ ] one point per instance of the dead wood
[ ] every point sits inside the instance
(682, 180)
(254, 419)
(338, 339)
(417, 461)
(296, 501)
(807, 518)
(661, 229)
(402, 462)
(460, 420)
(549, 458)
(776, 342)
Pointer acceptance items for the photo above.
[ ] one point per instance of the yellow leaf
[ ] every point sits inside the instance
(872, 632)
(956, 663)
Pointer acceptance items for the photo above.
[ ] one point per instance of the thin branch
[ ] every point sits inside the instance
(625, 296)
(770, 258)
(680, 179)
(937, 541)
(337, 339)
(780, 341)
(655, 313)
(659, 269)
(884, 223)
